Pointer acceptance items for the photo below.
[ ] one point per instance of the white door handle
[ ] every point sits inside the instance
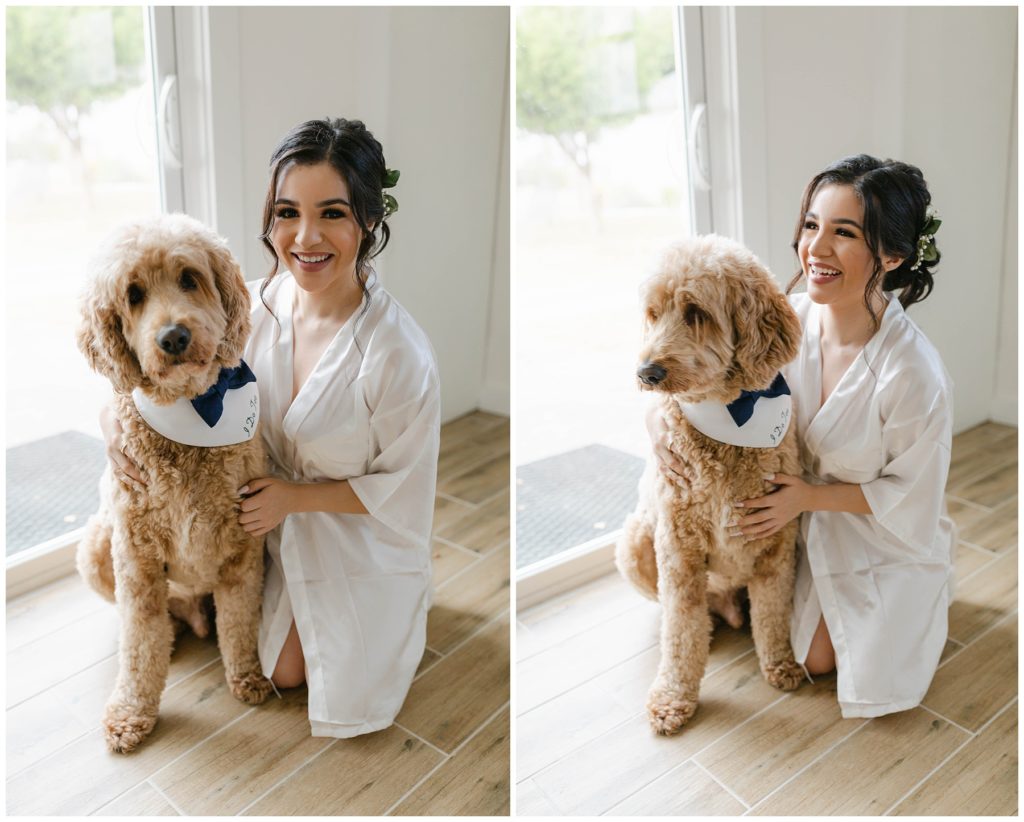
(698, 121)
(168, 142)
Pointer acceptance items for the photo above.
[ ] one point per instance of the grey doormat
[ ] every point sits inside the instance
(572, 498)
(52, 487)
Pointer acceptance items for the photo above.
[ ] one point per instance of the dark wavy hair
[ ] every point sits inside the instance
(895, 197)
(352, 151)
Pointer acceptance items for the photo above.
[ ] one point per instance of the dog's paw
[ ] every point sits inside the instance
(251, 688)
(125, 728)
(669, 711)
(786, 674)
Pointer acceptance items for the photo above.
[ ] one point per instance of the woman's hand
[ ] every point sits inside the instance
(790, 499)
(270, 500)
(125, 471)
(671, 467)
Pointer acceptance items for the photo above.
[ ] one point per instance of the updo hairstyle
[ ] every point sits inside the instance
(895, 197)
(354, 153)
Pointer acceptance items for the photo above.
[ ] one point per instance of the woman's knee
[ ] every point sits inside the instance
(288, 676)
(821, 657)
(290, 671)
(820, 661)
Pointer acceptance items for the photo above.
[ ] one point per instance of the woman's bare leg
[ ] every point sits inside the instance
(821, 658)
(290, 671)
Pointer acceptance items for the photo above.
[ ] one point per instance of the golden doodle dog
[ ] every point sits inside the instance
(717, 330)
(165, 317)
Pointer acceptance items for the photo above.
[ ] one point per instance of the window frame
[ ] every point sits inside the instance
(705, 40)
(170, 35)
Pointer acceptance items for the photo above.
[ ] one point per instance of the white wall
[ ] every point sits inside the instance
(930, 86)
(1004, 407)
(496, 395)
(431, 84)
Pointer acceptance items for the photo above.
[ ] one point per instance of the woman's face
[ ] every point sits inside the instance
(315, 233)
(833, 253)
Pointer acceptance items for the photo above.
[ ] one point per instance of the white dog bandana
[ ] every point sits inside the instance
(181, 421)
(758, 419)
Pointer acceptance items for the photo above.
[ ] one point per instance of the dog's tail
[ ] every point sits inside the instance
(635, 559)
(94, 560)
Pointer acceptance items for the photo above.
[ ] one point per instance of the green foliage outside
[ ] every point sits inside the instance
(64, 59)
(561, 70)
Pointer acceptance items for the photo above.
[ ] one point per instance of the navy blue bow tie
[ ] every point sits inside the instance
(210, 405)
(742, 409)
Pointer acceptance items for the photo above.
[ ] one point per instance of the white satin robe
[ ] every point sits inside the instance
(883, 581)
(357, 585)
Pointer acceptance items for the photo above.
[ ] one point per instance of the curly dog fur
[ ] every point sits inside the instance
(717, 323)
(157, 550)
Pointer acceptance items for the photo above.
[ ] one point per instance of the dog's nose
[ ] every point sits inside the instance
(650, 373)
(174, 339)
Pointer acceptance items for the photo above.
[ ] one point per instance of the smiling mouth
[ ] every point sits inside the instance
(823, 273)
(312, 259)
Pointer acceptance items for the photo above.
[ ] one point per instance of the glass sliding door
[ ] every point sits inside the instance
(603, 185)
(82, 156)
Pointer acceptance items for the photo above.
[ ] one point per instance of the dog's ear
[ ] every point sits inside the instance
(234, 298)
(767, 330)
(101, 340)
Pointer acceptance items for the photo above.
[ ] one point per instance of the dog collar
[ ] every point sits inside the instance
(182, 421)
(757, 419)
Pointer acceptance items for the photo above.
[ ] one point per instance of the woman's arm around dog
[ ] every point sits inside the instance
(272, 499)
(792, 497)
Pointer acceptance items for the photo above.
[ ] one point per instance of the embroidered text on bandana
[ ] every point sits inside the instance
(758, 419)
(227, 414)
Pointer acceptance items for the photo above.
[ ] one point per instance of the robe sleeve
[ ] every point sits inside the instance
(907, 498)
(398, 489)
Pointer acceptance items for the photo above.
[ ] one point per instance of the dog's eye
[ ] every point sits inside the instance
(189, 280)
(694, 314)
(135, 294)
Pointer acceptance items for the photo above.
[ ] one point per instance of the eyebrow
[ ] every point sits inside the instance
(840, 221)
(321, 204)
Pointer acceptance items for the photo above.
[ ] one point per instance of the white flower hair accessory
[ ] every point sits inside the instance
(926, 250)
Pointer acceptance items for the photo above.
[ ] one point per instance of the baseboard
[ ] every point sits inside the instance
(49, 561)
(565, 571)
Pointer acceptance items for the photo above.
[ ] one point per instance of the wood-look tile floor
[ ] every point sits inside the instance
(447, 753)
(586, 659)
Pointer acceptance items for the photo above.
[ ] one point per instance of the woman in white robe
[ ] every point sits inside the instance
(350, 414)
(356, 585)
(874, 410)
(882, 581)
